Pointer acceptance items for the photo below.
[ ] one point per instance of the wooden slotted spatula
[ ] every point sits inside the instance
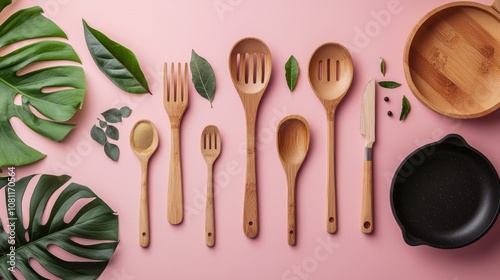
(210, 149)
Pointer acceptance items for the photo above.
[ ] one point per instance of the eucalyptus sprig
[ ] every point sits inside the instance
(106, 130)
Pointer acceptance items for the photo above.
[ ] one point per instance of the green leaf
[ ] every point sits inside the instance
(382, 66)
(291, 72)
(112, 115)
(112, 151)
(405, 110)
(98, 135)
(67, 81)
(4, 3)
(389, 84)
(112, 132)
(125, 111)
(95, 221)
(103, 124)
(117, 62)
(203, 77)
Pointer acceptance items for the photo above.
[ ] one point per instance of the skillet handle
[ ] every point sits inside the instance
(455, 139)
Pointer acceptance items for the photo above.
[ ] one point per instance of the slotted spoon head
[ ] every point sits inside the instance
(250, 65)
(330, 71)
(210, 143)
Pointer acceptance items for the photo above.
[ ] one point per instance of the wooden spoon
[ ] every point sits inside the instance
(144, 141)
(250, 65)
(292, 140)
(330, 76)
(210, 149)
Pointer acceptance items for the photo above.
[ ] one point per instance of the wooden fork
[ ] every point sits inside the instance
(210, 149)
(175, 101)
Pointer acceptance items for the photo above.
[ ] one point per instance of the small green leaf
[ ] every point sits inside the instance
(4, 3)
(203, 77)
(112, 115)
(103, 124)
(117, 62)
(382, 66)
(389, 84)
(291, 72)
(125, 111)
(98, 135)
(112, 132)
(112, 151)
(405, 110)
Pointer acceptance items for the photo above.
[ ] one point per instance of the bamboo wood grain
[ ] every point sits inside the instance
(451, 59)
(292, 141)
(250, 65)
(367, 198)
(330, 76)
(175, 101)
(144, 142)
(211, 147)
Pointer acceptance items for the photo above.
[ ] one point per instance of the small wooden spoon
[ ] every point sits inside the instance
(250, 66)
(292, 140)
(210, 149)
(330, 76)
(144, 141)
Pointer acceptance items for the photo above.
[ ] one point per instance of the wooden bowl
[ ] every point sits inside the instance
(452, 59)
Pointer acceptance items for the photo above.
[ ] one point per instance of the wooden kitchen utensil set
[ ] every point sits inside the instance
(250, 65)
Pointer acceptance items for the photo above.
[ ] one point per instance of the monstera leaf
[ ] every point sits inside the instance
(94, 222)
(56, 92)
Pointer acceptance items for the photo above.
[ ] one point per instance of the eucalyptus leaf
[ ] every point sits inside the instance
(291, 72)
(382, 66)
(405, 110)
(98, 135)
(203, 77)
(112, 132)
(4, 3)
(117, 62)
(125, 111)
(112, 115)
(95, 221)
(389, 84)
(103, 124)
(112, 151)
(30, 29)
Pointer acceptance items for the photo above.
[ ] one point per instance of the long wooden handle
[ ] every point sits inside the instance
(250, 207)
(367, 202)
(331, 219)
(144, 206)
(292, 228)
(174, 200)
(209, 210)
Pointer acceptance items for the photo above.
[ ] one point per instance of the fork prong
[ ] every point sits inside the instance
(171, 88)
(165, 83)
(185, 90)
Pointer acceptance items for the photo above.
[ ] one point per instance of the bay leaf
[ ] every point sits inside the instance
(382, 66)
(291, 72)
(203, 77)
(112, 132)
(4, 3)
(117, 62)
(389, 84)
(405, 110)
(125, 111)
(112, 151)
(98, 135)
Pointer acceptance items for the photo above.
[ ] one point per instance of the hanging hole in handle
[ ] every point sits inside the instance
(367, 225)
(250, 223)
(143, 234)
(331, 220)
(209, 234)
(291, 232)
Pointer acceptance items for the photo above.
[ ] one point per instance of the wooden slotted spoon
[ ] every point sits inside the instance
(330, 76)
(210, 149)
(250, 65)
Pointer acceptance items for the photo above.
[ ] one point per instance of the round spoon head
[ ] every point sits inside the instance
(330, 71)
(250, 65)
(144, 138)
(293, 140)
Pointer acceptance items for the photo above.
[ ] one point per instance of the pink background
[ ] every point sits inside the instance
(166, 31)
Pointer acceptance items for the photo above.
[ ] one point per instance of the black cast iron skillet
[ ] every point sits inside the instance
(445, 194)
